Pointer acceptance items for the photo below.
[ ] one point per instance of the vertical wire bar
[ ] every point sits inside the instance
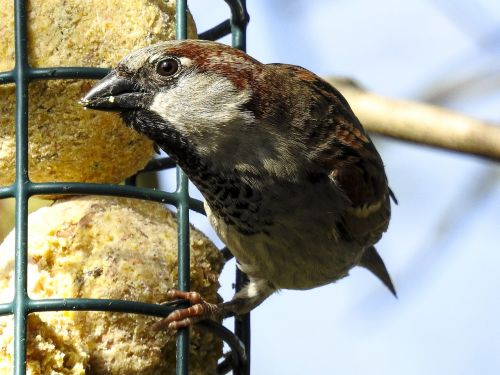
(21, 188)
(241, 324)
(182, 355)
(238, 31)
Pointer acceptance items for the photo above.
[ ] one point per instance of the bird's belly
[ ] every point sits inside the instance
(300, 248)
(292, 260)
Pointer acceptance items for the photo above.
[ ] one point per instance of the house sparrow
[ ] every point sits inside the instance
(292, 183)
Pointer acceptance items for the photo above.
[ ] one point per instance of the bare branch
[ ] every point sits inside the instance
(421, 123)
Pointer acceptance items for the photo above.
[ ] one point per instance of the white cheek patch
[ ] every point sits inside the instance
(202, 101)
(208, 109)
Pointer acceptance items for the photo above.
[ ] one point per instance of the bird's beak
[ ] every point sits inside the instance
(114, 93)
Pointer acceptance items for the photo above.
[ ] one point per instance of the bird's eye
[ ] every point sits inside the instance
(167, 67)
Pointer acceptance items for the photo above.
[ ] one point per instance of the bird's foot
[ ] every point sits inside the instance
(182, 318)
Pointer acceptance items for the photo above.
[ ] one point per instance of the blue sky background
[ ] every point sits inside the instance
(443, 244)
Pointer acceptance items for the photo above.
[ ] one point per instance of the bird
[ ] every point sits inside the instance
(291, 181)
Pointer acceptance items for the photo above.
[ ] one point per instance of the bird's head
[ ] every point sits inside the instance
(175, 92)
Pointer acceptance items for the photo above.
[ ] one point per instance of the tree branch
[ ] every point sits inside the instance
(421, 123)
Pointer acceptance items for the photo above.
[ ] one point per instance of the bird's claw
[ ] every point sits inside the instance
(182, 318)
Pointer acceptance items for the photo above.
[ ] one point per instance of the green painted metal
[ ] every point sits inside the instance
(239, 21)
(23, 189)
(182, 355)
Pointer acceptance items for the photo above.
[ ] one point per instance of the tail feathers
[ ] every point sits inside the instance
(372, 261)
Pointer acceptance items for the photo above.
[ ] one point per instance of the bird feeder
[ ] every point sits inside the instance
(33, 171)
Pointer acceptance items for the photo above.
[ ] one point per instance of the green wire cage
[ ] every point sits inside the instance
(237, 359)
